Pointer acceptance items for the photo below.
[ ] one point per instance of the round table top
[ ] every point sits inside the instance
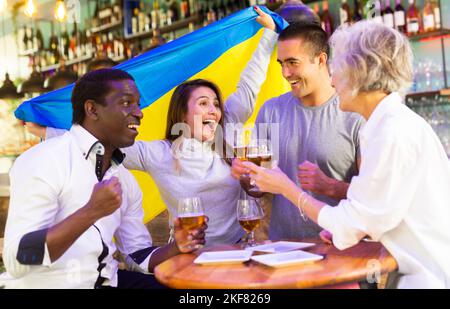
(338, 267)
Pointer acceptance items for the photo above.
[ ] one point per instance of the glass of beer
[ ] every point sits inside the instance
(259, 152)
(265, 153)
(249, 215)
(191, 213)
(241, 141)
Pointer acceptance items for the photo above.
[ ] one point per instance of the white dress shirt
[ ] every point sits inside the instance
(51, 181)
(401, 196)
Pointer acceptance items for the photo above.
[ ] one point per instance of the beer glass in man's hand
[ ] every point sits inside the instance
(191, 213)
(249, 215)
(258, 152)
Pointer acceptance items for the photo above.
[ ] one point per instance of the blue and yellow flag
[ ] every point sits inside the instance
(218, 52)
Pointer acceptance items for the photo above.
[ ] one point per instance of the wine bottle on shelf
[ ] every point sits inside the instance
(428, 17)
(400, 17)
(134, 21)
(172, 12)
(79, 48)
(98, 46)
(89, 44)
(184, 9)
(221, 10)
(235, 5)
(204, 14)
(72, 54)
(357, 13)
(117, 12)
(147, 22)
(121, 48)
(105, 15)
(155, 15)
(141, 17)
(388, 15)
(29, 42)
(326, 20)
(316, 9)
(412, 19)
(228, 7)
(65, 43)
(103, 45)
(162, 15)
(115, 47)
(437, 14)
(128, 50)
(81, 43)
(53, 55)
(215, 9)
(192, 7)
(40, 39)
(24, 41)
(95, 20)
(344, 13)
(211, 16)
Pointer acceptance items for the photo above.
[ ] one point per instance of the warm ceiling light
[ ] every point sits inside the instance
(3, 5)
(60, 11)
(30, 8)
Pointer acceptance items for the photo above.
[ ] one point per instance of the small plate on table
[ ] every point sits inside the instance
(281, 246)
(287, 258)
(223, 257)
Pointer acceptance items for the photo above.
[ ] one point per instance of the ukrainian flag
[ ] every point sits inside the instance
(218, 52)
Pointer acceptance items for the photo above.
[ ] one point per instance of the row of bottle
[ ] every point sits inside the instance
(148, 17)
(410, 21)
(106, 13)
(211, 11)
(80, 44)
(83, 44)
(32, 40)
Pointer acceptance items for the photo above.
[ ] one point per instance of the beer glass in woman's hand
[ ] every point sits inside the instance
(191, 213)
(259, 152)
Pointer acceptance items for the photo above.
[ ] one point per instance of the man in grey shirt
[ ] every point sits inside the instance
(318, 143)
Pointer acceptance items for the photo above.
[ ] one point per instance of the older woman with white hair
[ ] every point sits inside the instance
(401, 196)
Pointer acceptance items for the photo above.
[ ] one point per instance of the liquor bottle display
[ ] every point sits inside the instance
(357, 13)
(428, 17)
(400, 16)
(120, 29)
(413, 20)
(344, 13)
(388, 15)
(406, 16)
(326, 20)
(437, 14)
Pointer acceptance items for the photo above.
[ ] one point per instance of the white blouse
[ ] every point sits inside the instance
(401, 196)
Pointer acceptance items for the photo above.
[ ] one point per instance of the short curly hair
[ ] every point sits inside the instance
(372, 57)
(95, 86)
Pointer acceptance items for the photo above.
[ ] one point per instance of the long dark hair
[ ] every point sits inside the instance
(178, 107)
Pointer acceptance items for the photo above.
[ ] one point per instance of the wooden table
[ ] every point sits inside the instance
(337, 268)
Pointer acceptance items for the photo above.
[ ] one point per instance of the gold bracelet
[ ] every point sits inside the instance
(300, 201)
